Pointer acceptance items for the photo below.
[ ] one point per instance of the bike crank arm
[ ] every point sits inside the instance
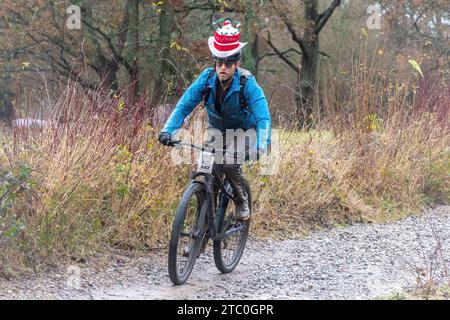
(193, 235)
(229, 233)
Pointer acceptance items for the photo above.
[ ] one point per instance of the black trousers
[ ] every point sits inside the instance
(228, 165)
(234, 175)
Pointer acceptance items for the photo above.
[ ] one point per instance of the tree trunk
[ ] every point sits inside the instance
(133, 47)
(105, 68)
(255, 53)
(166, 20)
(6, 107)
(308, 83)
(308, 73)
(251, 50)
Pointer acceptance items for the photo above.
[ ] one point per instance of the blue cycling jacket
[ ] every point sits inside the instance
(256, 115)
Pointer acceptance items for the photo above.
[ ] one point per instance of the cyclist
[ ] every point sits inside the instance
(233, 100)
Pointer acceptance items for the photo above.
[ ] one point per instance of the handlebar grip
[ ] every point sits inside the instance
(174, 142)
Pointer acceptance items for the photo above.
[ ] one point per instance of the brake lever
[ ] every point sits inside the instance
(176, 144)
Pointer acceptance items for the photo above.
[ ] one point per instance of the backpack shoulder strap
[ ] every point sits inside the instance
(207, 88)
(245, 74)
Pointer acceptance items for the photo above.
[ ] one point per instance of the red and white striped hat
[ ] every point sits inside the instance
(225, 42)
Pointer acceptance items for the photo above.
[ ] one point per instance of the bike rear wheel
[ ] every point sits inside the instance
(228, 251)
(187, 233)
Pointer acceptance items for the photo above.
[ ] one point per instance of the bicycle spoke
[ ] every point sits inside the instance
(232, 234)
(185, 244)
(229, 249)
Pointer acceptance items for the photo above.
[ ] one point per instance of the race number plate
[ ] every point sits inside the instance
(205, 162)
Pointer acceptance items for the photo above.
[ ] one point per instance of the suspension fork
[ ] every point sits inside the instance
(225, 190)
(209, 184)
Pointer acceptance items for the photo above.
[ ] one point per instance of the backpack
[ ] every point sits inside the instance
(244, 76)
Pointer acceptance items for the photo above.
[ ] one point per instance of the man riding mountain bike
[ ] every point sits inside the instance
(234, 102)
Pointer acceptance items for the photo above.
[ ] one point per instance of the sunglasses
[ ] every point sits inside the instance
(228, 64)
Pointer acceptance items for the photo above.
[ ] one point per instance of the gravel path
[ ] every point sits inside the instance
(363, 261)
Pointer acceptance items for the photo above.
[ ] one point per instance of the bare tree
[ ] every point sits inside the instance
(306, 36)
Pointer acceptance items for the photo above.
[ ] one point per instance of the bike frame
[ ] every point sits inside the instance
(209, 209)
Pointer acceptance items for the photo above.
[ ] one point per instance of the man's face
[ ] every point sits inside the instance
(225, 70)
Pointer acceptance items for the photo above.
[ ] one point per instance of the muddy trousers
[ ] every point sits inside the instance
(231, 169)
(235, 176)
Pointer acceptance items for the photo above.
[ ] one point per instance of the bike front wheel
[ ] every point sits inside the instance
(234, 233)
(187, 233)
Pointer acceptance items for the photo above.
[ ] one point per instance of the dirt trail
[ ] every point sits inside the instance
(363, 261)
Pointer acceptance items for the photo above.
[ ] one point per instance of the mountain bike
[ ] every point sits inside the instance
(203, 214)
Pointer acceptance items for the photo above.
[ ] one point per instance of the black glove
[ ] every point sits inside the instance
(165, 138)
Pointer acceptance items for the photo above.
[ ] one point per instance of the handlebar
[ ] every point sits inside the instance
(179, 144)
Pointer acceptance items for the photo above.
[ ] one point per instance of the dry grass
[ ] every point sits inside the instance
(98, 178)
(97, 175)
(381, 154)
(327, 181)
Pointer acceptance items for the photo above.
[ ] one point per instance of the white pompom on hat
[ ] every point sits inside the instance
(225, 42)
